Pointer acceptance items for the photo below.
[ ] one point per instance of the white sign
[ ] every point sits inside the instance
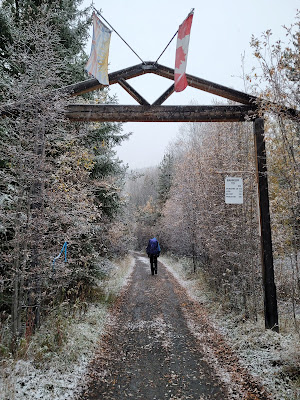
(233, 190)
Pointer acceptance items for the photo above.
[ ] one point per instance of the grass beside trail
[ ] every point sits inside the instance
(54, 361)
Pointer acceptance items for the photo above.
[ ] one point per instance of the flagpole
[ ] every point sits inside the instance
(118, 34)
(191, 12)
(166, 46)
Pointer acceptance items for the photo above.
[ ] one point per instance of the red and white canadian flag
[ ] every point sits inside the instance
(182, 48)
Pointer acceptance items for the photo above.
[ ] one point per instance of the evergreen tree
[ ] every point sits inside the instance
(107, 169)
(67, 20)
(165, 177)
(60, 180)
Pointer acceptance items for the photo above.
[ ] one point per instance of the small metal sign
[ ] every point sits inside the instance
(233, 190)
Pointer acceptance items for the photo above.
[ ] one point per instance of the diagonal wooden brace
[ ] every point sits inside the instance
(133, 93)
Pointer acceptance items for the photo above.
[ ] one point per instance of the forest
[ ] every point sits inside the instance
(64, 192)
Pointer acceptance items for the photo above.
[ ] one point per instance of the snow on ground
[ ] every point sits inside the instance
(160, 328)
(267, 355)
(144, 260)
(56, 375)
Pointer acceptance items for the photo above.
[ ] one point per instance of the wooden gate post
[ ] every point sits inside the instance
(270, 298)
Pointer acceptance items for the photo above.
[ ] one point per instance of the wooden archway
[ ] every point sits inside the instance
(146, 112)
(246, 110)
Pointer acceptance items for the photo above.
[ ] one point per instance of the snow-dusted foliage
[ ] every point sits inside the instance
(60, 181)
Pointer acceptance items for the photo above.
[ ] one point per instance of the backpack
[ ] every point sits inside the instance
(153, 247)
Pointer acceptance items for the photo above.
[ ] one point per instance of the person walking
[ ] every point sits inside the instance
(153, 251)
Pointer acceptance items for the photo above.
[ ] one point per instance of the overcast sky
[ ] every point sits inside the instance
(220, 35)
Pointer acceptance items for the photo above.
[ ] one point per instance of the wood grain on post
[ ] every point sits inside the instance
(270, 297)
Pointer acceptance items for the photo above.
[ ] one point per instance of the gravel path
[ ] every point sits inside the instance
(161, 345)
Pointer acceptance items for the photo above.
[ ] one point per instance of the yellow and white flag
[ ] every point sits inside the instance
(97, 64)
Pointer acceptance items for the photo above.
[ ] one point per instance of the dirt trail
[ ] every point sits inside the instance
(160, 345)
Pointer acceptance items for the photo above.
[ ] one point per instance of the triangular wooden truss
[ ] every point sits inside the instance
(156, 112)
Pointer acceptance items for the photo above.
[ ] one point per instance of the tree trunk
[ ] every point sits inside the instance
(36, 211)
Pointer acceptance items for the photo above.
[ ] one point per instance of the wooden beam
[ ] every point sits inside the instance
(270, 297)
(166, 72)
(133, 93)
(92, 84)
(117, 113)
(207, 86)
(164, 96)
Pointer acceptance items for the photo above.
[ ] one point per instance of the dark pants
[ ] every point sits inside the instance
(153, 263)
